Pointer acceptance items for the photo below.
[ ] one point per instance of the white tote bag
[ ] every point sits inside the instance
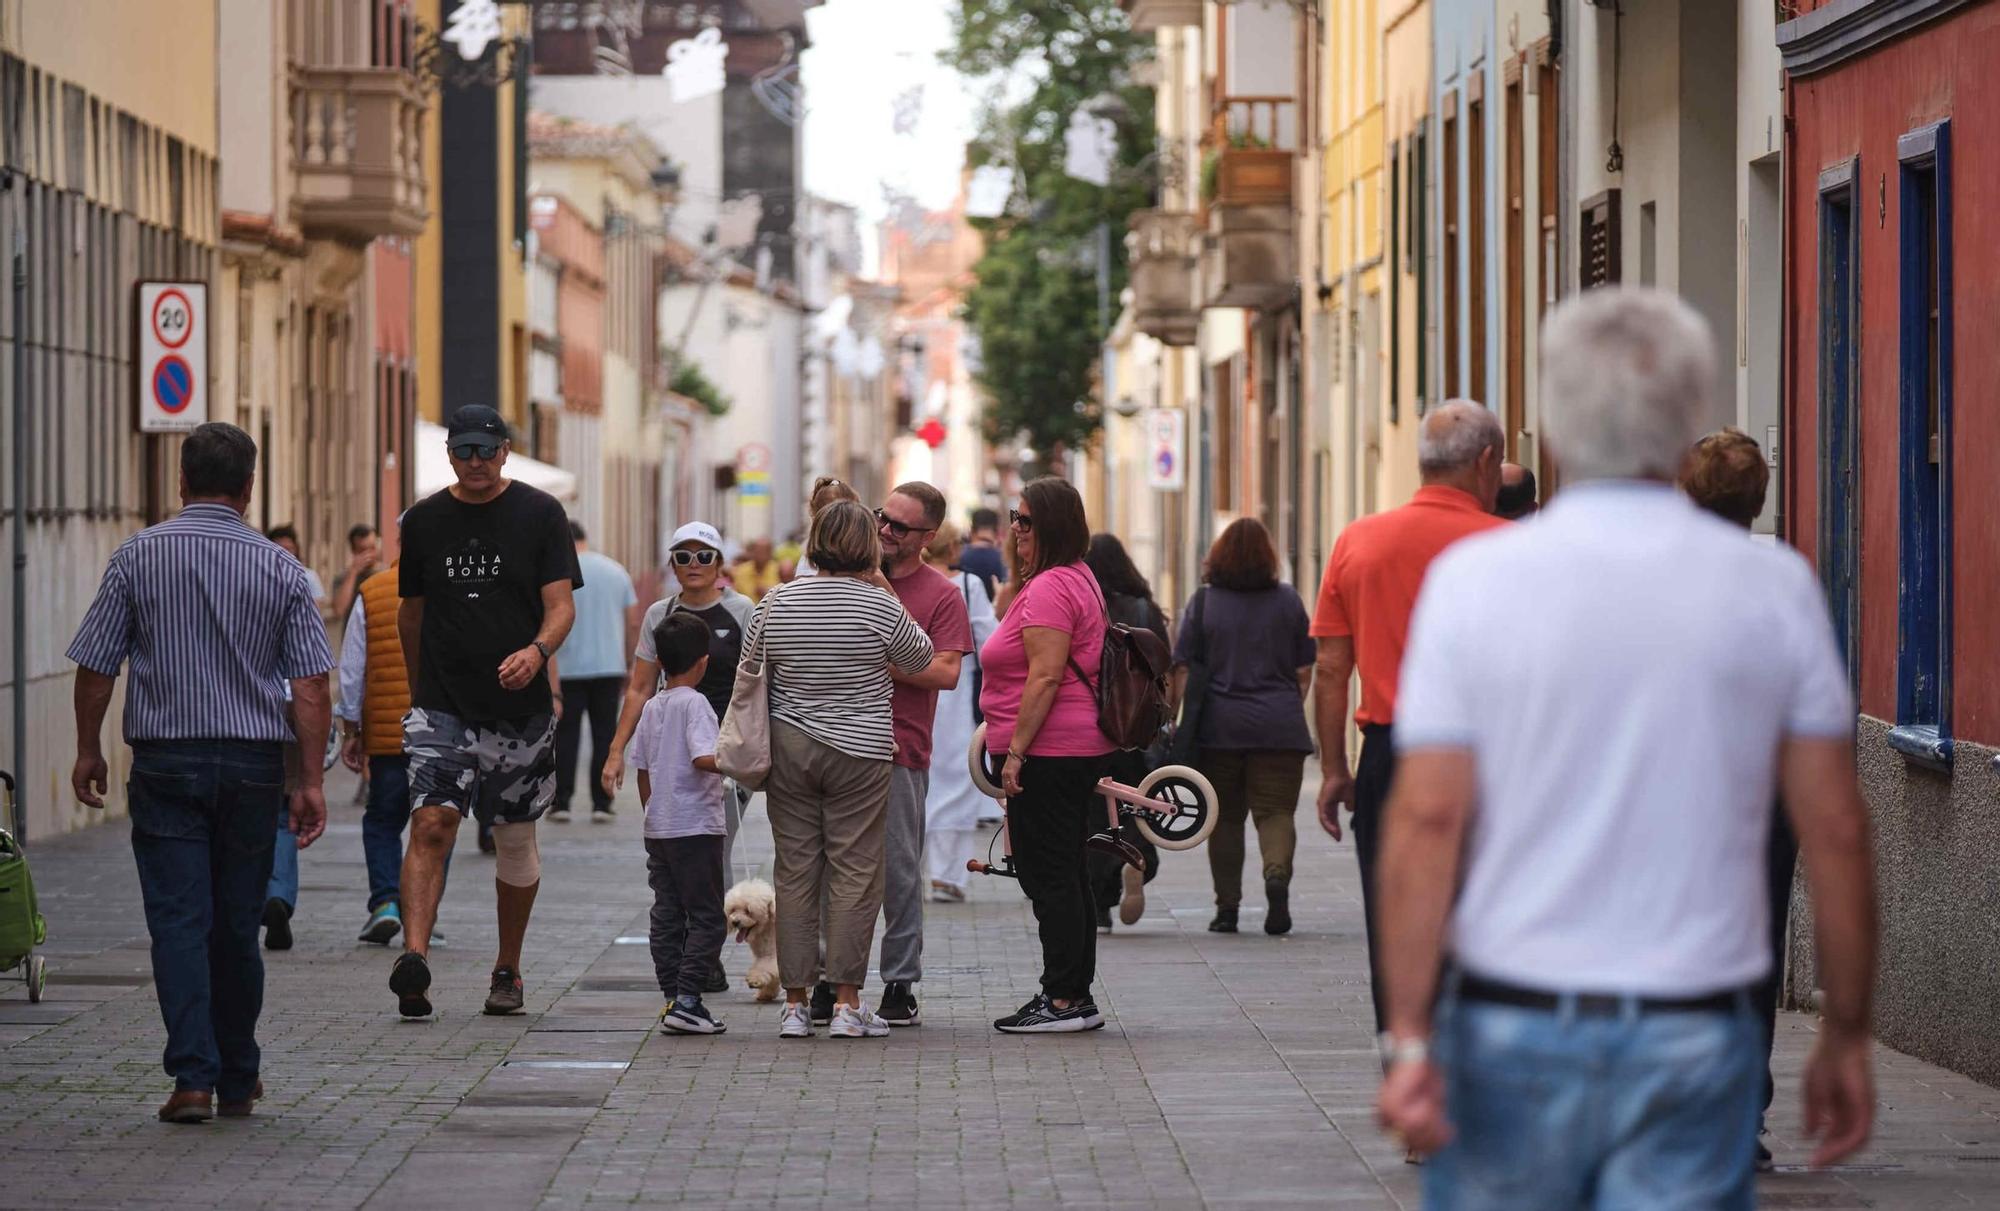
(743, 745)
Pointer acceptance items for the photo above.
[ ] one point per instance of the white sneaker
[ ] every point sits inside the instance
(796, 1023)
(856, 1022)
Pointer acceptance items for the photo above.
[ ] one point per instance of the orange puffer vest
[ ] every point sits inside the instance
(385, 695)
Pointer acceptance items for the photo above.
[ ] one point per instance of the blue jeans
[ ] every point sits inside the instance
(382, 825)
(1556, 1111)
(202, 837)
(284, 884)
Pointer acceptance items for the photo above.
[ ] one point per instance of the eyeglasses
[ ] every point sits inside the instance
(896, 528)
(466, 452)
(1020, 521)
(704, 557)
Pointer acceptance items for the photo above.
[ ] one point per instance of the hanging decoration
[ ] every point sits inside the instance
(694, 66)
(986, 196)
(474, 26)
(1090, 145)
(909, 106)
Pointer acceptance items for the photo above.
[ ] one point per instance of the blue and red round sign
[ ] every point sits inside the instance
(173, 383)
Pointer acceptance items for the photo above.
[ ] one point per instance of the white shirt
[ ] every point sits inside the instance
(676, 727)
(1623, 671)
(353, 663)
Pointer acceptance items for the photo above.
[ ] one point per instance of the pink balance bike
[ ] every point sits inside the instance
(1173, 807)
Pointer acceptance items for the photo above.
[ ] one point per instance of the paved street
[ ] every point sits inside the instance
(1235, 1071)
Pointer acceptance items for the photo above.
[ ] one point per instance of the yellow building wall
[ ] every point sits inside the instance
(160, 64)
(1406, 63)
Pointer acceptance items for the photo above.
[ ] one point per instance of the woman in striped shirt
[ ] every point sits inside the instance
(829, 641)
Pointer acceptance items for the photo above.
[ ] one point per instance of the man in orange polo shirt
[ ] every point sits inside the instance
(1363, 619)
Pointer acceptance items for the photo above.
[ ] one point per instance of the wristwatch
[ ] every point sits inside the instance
(1402, 1051)
(543, 649)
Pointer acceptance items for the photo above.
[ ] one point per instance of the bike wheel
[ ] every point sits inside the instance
(982, 777)
(1188, 809)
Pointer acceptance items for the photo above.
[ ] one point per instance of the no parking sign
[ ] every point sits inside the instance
(173, 356)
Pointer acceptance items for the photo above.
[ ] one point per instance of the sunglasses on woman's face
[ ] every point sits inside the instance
(704, 557)
(1019, 520)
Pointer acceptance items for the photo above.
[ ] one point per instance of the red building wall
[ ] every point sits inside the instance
(573, 240)
(395, 381)
(1860, 107)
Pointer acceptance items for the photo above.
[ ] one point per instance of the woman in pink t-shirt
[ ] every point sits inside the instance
(1041, 716)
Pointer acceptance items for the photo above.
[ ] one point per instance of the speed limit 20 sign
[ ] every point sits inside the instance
(173, 356)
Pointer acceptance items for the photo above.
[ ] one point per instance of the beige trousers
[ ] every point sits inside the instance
(828, 818)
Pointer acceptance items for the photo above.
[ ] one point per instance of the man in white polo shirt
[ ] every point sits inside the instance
(1578, 826)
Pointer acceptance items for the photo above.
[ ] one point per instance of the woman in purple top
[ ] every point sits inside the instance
(1247, 633)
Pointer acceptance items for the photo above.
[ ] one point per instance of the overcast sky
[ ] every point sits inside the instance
(866, 54)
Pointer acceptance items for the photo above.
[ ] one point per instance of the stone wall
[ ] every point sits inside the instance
(1937, 869)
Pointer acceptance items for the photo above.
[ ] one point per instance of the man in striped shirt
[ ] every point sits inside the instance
(214, 619)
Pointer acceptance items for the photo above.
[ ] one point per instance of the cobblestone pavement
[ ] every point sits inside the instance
(1237, 1071)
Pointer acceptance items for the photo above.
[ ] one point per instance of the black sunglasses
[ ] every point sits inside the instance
(466, 452)
(895, 527)
(704, 557)
(1020, 520)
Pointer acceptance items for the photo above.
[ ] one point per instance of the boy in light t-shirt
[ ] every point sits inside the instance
(675, 741)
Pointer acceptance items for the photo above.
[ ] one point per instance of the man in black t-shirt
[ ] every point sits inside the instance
(486, 574)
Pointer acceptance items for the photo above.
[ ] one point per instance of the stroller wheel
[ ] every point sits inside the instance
(38, 977)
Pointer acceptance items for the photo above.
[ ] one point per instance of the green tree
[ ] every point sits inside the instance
(1034, 300)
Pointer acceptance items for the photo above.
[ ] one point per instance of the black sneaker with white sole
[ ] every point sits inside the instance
(821, 1006)
(679, 1017)
(899, 1004)
(1040, 1016)
(410, 979)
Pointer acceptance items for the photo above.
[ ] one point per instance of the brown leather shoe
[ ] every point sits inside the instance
(243, 1108)
(188, 1106)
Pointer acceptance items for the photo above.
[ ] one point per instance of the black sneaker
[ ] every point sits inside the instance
(718, 979)
(899, 1005)
(1278, 920)
(1765, 1161)
(277, 925)
(1224, 922)
(505, 996)
(1040, 1016)
(410, 979)
(681, 1018)
(1104, 918)
(602, 815)
(822, 1003)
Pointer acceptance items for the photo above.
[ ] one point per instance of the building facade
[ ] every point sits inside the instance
(1890, 109)
(110, 149)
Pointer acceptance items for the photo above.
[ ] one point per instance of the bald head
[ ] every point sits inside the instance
(1517, 492)
(1460, 445)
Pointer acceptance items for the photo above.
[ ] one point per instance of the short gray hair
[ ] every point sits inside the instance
(1626, 373)
(1455, 434)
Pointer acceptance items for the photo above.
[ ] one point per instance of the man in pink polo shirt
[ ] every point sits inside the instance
(908, 521)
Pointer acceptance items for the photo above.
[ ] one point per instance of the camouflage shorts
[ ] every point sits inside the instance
(502, 772)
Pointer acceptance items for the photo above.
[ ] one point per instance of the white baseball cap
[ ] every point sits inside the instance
(697, 531)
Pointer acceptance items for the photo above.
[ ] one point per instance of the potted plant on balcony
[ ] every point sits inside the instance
(1211, 164)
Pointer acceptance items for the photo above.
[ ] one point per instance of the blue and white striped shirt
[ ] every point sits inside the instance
(215, 620)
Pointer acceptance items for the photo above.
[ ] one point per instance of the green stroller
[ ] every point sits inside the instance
(21, 927)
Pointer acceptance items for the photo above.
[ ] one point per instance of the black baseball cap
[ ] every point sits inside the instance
(476, 420)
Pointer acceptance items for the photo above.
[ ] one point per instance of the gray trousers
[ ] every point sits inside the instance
(904, 881)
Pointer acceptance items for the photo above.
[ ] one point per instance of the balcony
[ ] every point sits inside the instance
(1149, 15)
(1248, 241)
(357, 152)
(1164, 248)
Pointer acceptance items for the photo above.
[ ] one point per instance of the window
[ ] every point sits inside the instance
(1923, 555)
(1475, 239)
(1839, 538)
(1599, 242)
(1449, 170)
(1420, 260)
(1396, 262)
(1514, 215)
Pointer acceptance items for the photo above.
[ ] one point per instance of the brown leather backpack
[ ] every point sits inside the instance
(1130, 686)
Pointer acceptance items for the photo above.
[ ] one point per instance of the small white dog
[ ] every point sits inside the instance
(752, 909)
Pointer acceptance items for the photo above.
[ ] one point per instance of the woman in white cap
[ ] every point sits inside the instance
(696, 555)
